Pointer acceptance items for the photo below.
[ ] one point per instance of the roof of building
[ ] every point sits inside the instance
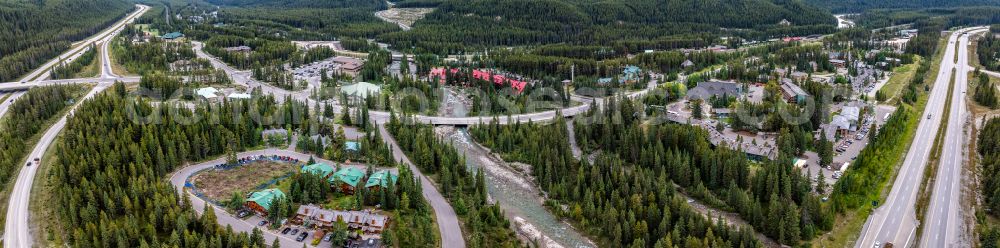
(239, 49)
(208, 92)
(834, 55)
(346, 60)
(687, 63)
(352, 146)
(348, 175)
(851, 113)
(265, 197)
(235, 95)
(800, 163)
(706, 90)
(840, 122)
(606, 80)
(321, 169)
(829, 130)
(793, 90)
(361, 89)
(722, 110)
(632, 70)
(380, 178)
(173, 35)
(317, 213)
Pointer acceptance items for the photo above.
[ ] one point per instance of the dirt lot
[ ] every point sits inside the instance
(219, 185)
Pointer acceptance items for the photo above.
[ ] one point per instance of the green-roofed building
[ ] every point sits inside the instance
(380, 180)
(321, 169)
(260, 201)
(347, 178)
(172, 36)
(361, 90)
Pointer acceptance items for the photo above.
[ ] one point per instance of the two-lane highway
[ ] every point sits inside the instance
(17, 233)
(5, 105)
(895, 221)
(447, 220)
(943, 219)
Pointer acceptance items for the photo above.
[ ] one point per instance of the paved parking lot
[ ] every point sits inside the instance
(852, 150)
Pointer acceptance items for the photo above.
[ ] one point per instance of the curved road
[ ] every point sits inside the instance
(17, 229)
(447, 220)
(179, 178)
(17, 233)
(448, 224)
(5, 105)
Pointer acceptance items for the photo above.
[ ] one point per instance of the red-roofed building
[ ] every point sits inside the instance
(441, 74)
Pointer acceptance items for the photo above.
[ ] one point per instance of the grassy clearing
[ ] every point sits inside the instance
(901, 76)
(116, 67)
(93, 69)
(219, 185)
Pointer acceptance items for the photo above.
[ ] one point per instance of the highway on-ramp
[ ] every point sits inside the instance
(17, 231)
(5, 105)
(895, 220)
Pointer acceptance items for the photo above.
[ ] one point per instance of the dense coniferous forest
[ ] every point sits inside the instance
(484, 223)
(634, 205)
(985, 92)
(457, 26)
(25, 119)
(988, 150)
(855, 6)
(988, 50)
(68, 70)
(988, 147)
(303, 3)
(145, 57)
(35, 31)
(116, 185)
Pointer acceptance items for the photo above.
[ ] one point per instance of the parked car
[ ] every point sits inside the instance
(302, 236)
(295, 231)
(328, 237)
(287, 229)
(242, 214)
(262, 223)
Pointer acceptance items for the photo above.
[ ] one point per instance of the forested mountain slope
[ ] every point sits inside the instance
(459, 23)
(33, 32)
(855, 6)
(302, 3)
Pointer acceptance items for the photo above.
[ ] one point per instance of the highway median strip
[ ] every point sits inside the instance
(930, 171)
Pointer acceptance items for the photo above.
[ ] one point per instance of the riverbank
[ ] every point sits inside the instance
(514, 189)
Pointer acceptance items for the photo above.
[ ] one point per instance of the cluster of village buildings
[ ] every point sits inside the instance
(347, 180)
